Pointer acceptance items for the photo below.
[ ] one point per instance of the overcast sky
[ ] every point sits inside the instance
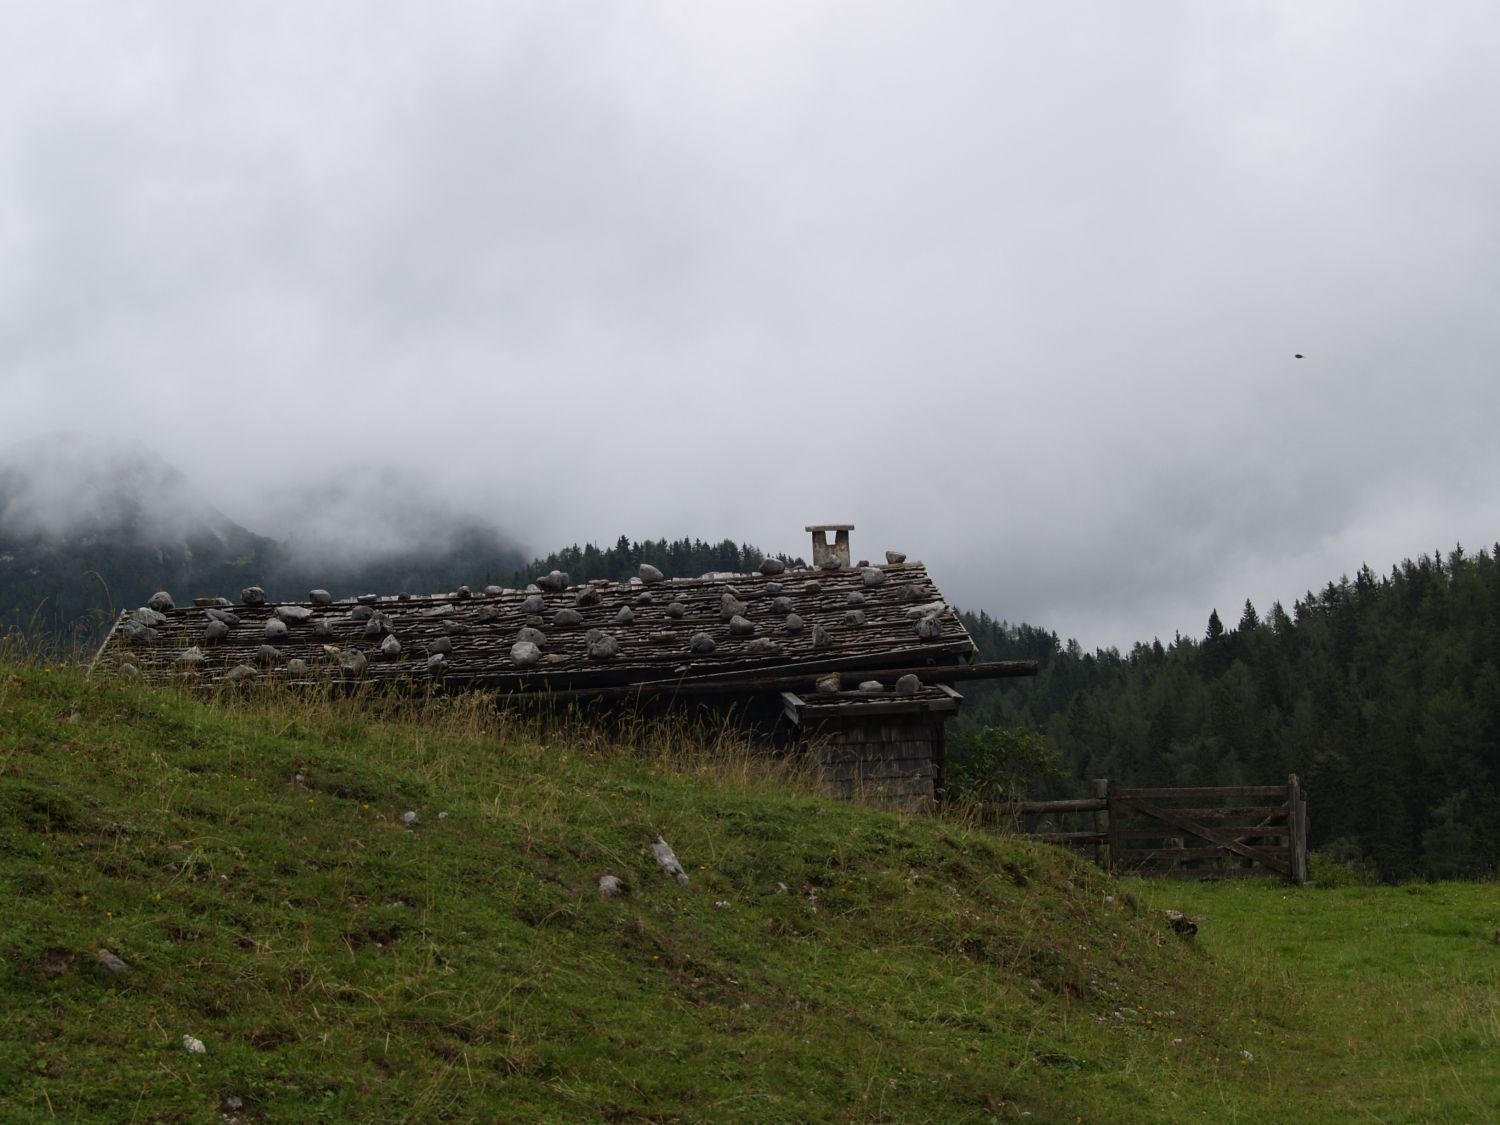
(1015, 288)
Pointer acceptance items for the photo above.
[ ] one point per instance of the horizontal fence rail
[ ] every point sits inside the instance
(1190, 832)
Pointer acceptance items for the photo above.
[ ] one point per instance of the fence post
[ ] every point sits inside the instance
(1101, 823)
(1112, 827)
(1301, 835)
(1296, 843)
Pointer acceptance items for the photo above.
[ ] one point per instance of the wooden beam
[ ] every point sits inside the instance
(1192, 828)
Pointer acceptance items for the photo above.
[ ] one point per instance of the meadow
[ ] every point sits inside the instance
(249, 861)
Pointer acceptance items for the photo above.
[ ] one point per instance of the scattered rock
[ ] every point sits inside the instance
(454, 627)
(320, 597)
(193, 1046)
(926, 610)
(587, 596)
(872, 687)
(253, 595)
(676, 609)
(364, 612)
(793, 624)
(1183, 925)
(611, 886)
(214, 632)
(873, 576)
(666, 858)
(895, 558)
(139, 634)
(854, 617)
(554, 581)
(774, 588)
(107, 961)
(772, 566)
(854, 597)
(830, 684)
(534, 603)
(440, 645)
(762, 646)
(464, 593)
(565, 617)
(908, 685)
(813, 587)
(702, 644)
(239, 674)
(275, 629)
(605, 648)
(731, 607)
(740, 627)
(161, 601)
(493, 591)
(821, 637)
(390, 648)
(524, 654)
(148, 616)
(294, 614)
(644, 599)
(782, 605)
(222, 615)
(409, 817)
(625, 616)
(650, 575)
(592, 635)
(535, 636)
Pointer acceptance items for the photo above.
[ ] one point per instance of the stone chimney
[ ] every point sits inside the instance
(824, 550)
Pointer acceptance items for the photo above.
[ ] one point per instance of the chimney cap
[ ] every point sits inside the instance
(829, 527)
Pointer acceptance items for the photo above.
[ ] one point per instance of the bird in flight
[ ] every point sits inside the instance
(1297, 356)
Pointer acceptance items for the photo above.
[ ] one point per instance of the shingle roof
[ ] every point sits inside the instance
(755, 624)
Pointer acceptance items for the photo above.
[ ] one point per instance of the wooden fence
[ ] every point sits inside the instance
(1199, 832)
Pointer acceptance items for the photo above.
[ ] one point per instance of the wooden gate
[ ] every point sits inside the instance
(1196, 832)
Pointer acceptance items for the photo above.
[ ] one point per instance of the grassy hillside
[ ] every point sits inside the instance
(249, 862)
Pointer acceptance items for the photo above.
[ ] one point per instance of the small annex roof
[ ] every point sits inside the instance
(555, 636)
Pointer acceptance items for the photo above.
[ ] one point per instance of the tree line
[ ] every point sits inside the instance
(1382, 692)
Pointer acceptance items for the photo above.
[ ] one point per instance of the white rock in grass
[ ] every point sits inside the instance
(666, 858)
(408, 817)
(193, 1046)
(612, 886)
(110, 963)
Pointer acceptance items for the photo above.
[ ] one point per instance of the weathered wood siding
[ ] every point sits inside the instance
(895, 761)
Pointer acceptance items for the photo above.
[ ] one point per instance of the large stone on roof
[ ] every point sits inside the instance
(253, 595)
(524, 654)
(834, 563)
(854, 597)
(534, 603)
(873, 576)
(589, 595)
(702, 644)
(872, 687)
(793, 624)
(650, 575)
(377, 626)
(907, 684)
(213, 613)
(730, 607)
(139, 634)
(240, 673)
(567, 617)
(268, 654)
(320, 597)
(535, 636)
(437, 664)
(830, 684)
(604, 648)
(740, 627)
(390, 648)
(363, 613)
(821, 637)
(625, 616)
(293, 614)
(192, 655)
(445, 644)
(895, 558)
(464, 592)
(774, 588)
(214, 632)
(160, 601)
(275, 629)
(782, 605)
(854, 617)
(554, 581)
(929, 628)
(676, 609)
(762, 646)
(493, 591)
(813, 587)
(772, 566)
(296, 667)
(148, 616)
(353, 662)
(321, 627)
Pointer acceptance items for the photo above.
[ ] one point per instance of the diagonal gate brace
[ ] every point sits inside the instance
(1203, 832)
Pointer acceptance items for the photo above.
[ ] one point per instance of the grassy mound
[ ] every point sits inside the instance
(249, 861)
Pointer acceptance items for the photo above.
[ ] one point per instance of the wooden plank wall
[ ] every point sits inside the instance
(897, 761)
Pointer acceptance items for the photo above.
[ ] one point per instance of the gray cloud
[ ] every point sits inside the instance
(1014, 289)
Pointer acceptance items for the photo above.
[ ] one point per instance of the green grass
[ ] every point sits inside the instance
(247, 858)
